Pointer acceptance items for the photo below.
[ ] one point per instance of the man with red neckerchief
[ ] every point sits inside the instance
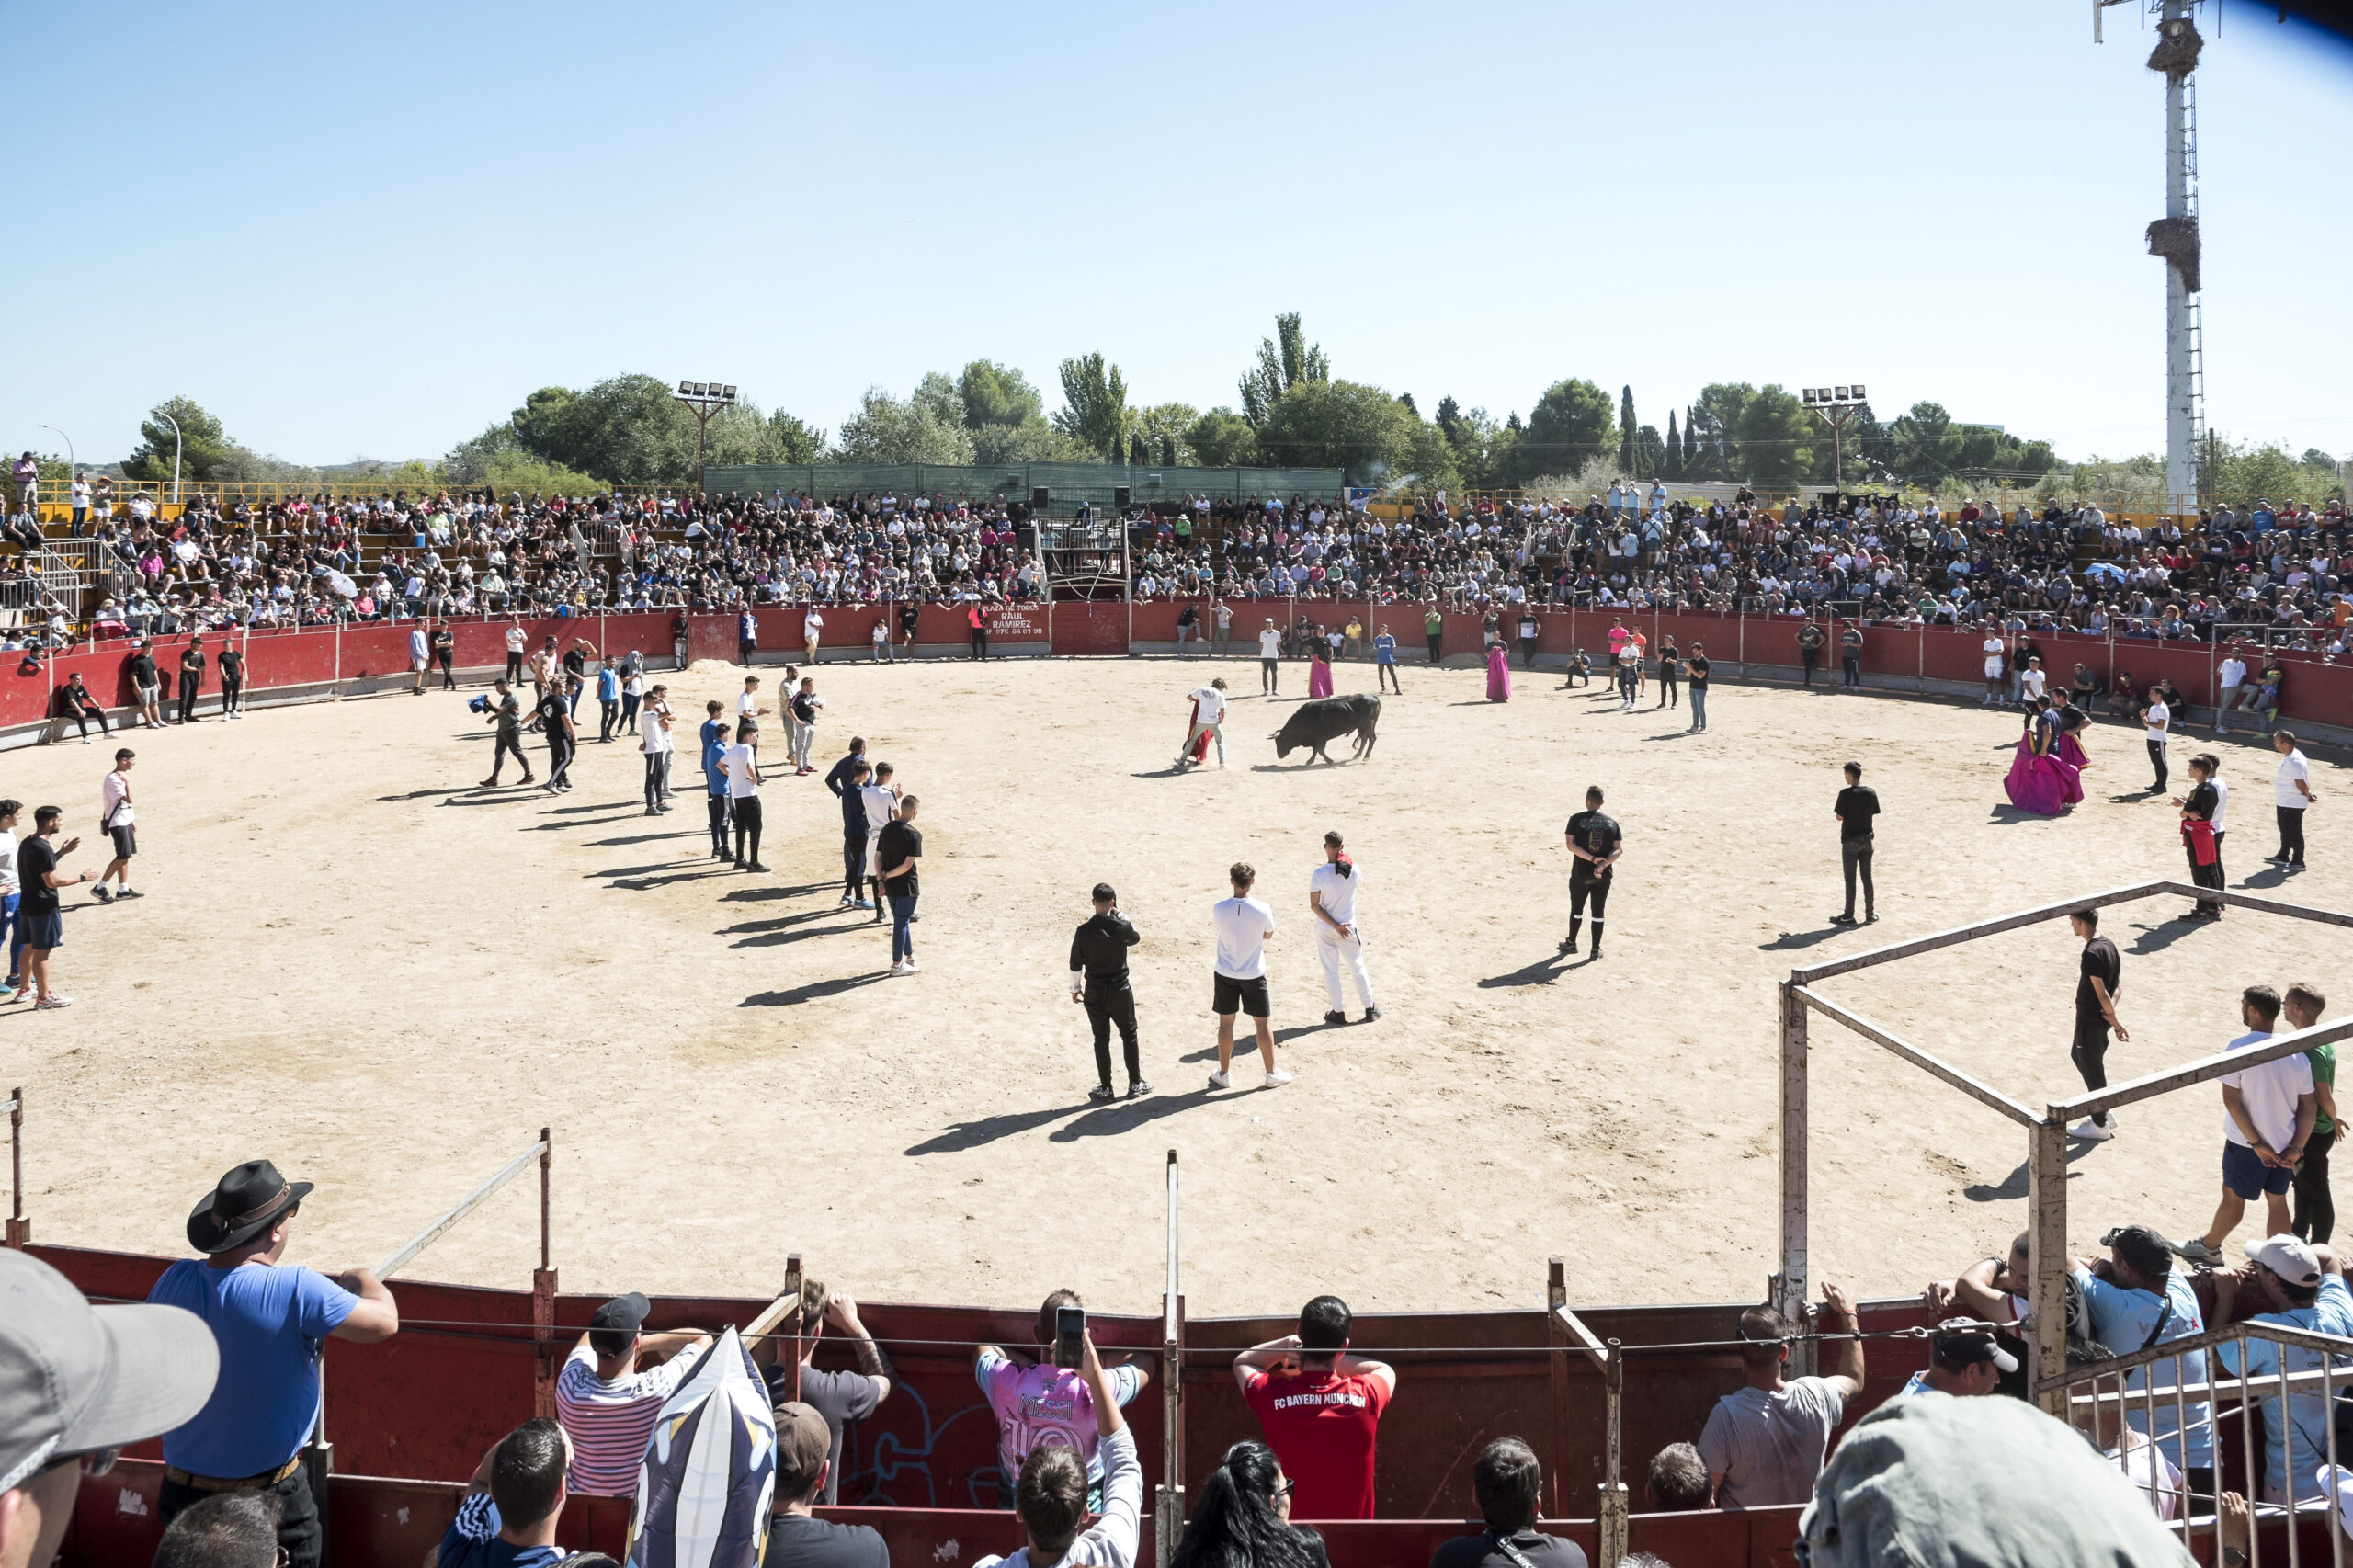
(1320, 1408)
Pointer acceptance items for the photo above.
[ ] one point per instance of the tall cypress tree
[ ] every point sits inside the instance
(1629, 445)
(1693, 462)
(1671, 468)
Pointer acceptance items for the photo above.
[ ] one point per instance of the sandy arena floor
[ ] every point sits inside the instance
(352, 960)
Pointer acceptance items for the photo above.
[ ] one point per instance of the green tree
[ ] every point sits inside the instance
(1670, 462)
(1342, 424)
(206, 451)
(1285, 361)
(1222, 438)
(792, 441)
(921, 429)
(1569, 427)
(1628, 433)
(1095, 406)
(1649, 452)
(1411, 406)
(999, 395)
(1715, 420)
(1430, 458)
(1166, 428)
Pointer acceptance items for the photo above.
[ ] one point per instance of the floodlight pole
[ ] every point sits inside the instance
(703, 399)
(1836, 406)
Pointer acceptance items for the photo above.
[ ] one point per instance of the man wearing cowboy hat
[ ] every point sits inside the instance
(77, 1385)
(269, 1320)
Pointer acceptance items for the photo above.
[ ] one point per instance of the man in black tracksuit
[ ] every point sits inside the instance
(845, 779)
(1099, 977)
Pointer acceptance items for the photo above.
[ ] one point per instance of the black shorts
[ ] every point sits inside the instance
(126, 841)
(43, 931)
(1239, 996)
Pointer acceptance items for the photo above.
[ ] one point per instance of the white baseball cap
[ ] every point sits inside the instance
(2290, 1257)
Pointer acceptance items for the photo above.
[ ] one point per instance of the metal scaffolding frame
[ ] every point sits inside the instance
(2046, 1131)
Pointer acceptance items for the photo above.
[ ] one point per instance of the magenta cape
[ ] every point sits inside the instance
(1319, 678)
(2043, 785)
(1498, 675)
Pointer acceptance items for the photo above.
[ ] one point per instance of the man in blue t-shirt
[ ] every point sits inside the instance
(2311, 1279)
(269, 1321)
(2140, 1302)
(509, 1517)
(715, 737)
(1384, 660)
(847, 779)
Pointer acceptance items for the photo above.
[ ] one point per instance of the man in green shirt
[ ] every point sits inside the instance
(1434, 629)
(2315, 1212)
(507, 714)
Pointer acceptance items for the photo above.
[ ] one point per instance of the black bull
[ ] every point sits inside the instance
(1316, 724)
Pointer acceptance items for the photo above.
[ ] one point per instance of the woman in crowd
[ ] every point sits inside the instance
(1242, 1517)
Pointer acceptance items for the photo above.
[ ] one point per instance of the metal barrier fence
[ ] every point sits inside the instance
(2128, 1403)
(1096, 485)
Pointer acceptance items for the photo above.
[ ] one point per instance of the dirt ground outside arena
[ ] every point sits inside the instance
(353, 960)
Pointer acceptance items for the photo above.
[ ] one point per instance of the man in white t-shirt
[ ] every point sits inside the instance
(1208, 717)
(2158, 717)
(879, 799)
(2267, 1113)
(812, 628)
(1994, 689)
(2292, 795)
(743, 770)
(1270, 654)
(1243, 925)
(119, 820)
(514, 641)
(1332, 900)
(2033, 680)
(2231, 673)
(654, 723)
(11, 895)
(419, 655)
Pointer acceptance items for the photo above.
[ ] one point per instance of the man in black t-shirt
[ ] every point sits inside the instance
(1695, 670)
(1509, 1483)
(1595, 844)
(1850, 654)
(232, 681)
(910, 616)
(147, 682)
(2100, 975)
(1856, 808)
(191, 677)
(43, 928)
(507, 712)
(896, 850)
(797, 1538)
(555, 720)
(1810, 641)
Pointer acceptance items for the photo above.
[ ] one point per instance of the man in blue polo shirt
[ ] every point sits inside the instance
(715, 736)
(2310, 1278)
(270, 1323)
(1384, 660)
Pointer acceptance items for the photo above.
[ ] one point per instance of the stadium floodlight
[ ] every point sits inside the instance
(1837, 405)
(703, 399)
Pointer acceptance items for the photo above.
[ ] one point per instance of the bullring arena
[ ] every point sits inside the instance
(354, 959)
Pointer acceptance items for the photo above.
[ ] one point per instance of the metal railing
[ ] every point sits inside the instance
(2299, 1400)
(1569, 1336)
(1168, 1509)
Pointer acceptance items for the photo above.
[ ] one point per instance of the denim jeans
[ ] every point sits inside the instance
(903, 936)
(1699, 707)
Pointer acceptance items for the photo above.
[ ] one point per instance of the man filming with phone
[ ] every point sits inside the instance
(1041, 1398)
(1053, 1492)
(1098, 980)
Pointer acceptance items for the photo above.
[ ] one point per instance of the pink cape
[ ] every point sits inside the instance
(1319, 678)
(1498, 675)
(2039, 784)
(2074, 759)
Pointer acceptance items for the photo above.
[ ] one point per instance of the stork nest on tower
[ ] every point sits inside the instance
(2176, 239)
(2176, 51)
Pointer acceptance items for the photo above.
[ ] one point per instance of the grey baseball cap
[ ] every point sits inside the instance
(75, 1378)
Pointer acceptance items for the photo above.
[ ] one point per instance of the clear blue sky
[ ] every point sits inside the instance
(356, 230)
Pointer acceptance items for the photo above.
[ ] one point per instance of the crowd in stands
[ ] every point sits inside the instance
(226, 1355)
(1876, 558)
(315, 560)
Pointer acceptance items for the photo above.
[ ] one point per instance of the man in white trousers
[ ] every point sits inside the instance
(1332, 899)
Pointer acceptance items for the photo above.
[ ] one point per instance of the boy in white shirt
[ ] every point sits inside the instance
(1208, 716)
(1332, 899)
(1239, 985)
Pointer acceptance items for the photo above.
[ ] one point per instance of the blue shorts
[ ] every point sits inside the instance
(2249, 1177)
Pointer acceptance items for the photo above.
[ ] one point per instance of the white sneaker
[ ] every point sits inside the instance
(1278, 1078)
(912, 966)
(2090, 1131)
(1220, 1080)
(900, 969)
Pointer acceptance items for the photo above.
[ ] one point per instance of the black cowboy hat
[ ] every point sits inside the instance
(249, 1200)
